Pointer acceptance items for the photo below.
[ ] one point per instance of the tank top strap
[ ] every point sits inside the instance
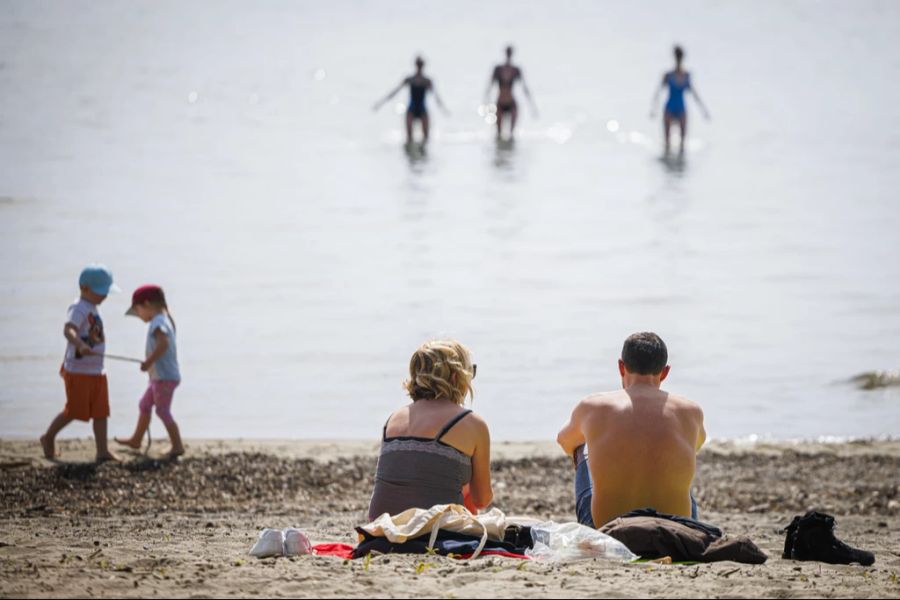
(451, 423)
(384, 429)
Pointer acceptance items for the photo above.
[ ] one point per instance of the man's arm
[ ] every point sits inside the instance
(701, 435)
(571, 435)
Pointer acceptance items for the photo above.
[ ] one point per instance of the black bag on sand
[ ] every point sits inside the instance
(811, 537)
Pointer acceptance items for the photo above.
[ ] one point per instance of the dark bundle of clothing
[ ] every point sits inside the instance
(515, 542)
(651, 534)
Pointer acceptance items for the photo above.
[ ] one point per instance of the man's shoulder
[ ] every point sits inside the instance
(603, 400)
(684, 403)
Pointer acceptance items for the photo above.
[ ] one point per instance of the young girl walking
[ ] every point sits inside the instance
(148, 303)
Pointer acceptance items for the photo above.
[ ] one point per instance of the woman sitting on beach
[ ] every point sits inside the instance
(433, 451)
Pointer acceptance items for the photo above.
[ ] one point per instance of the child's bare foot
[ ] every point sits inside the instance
(136, 445)
(174, 453)
(108, 457)
(49, 447)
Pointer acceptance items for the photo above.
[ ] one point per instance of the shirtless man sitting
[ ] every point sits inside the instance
(636, 447)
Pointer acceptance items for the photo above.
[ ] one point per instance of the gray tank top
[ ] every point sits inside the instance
(416, 472)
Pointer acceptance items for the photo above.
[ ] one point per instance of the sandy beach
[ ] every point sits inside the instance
(150, 528)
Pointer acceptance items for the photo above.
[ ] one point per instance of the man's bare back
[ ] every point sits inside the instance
(641, 444)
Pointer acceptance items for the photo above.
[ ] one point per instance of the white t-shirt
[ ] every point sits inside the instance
(86, 318)
(166, 366)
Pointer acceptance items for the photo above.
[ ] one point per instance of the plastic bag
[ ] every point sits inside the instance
(561, 542)
(273, 542)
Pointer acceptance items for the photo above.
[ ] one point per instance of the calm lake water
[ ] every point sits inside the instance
(229, 152)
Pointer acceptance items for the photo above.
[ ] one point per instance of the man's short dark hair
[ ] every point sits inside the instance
(645, 354)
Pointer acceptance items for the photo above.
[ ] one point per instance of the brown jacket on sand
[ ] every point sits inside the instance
(655, 537)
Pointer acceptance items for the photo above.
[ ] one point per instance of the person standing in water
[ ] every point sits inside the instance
(678, 81)
(505, 76)
(419, 86)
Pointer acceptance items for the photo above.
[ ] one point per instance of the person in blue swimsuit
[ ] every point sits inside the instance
(678, 82)
(419, 86)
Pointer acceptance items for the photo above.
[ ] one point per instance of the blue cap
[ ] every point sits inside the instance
(99, 279)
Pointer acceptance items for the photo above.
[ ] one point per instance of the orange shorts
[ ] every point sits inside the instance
(87, 396)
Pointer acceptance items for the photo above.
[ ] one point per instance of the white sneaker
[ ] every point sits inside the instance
(296, 542)
(270, 543)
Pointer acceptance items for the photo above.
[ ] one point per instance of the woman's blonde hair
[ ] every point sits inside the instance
(432, 369)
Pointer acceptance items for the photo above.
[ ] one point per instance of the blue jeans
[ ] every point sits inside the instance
(584, 491)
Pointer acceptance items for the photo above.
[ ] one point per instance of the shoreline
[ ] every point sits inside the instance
(326, 449)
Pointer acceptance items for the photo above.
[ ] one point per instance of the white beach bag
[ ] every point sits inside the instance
(415, 522)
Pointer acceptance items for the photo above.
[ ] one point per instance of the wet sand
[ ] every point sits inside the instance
(151, 528)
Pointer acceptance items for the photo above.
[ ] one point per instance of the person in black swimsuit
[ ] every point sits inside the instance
(419, 86)
(505, 75)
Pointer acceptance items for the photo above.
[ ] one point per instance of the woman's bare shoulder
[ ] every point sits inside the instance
(399, 417)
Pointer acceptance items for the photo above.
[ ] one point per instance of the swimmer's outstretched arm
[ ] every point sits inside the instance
(391, 94)
(528, 94)
(438, 98)
(699, 101)
(655, 102)
(490, 86)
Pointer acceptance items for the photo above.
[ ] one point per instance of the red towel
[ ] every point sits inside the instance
(339, 550)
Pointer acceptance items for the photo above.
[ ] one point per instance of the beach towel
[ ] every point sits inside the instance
(337, 550)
